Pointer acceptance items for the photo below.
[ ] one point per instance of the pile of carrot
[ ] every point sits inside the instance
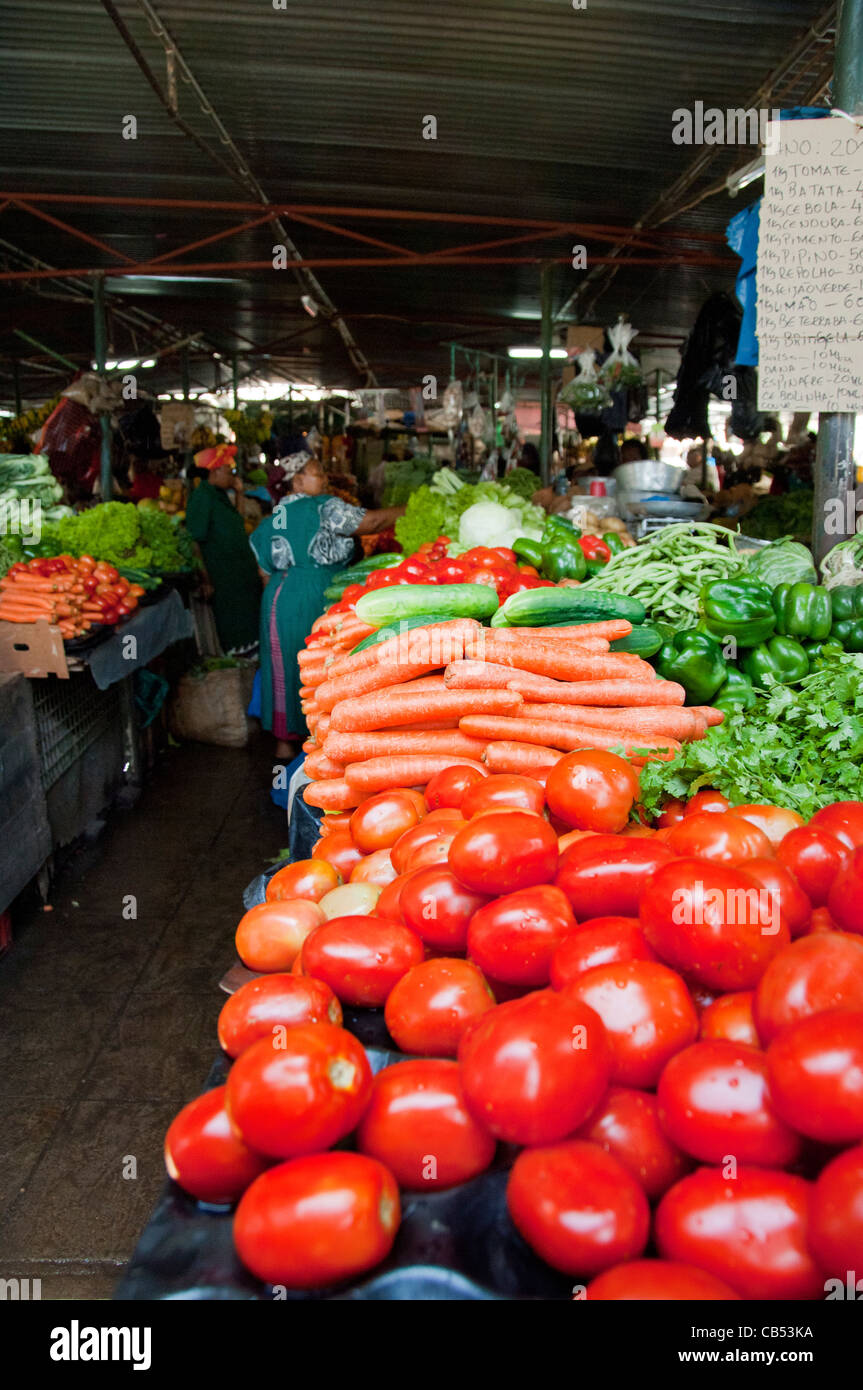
(503, 700)
(59, 599)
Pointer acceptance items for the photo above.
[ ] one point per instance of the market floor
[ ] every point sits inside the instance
(108, 1019)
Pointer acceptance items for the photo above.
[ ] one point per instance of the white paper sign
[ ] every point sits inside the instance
(810, 268)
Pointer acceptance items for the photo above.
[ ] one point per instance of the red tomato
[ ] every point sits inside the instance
(417, 1123)
(442, 814)
(504, 789)
(381, 820)
(300, 1091)
(714, 1101)
(719, 836)
(814, 975)
(449, 787)
(389, 903)
(377, 867)
(711, 922)
(307, 878)
(205, 1156)
(836, 1217)
(438, 908)
(361, 958)
(601, 941)
(673, 812)
(706, 800)
(514, 937)
(816, 1076)
(606, 875)
(730, 1017)
(749, 1230)
(429, 1009)
(578, 1207)
(845, 899)
(416, 797)
(435, 851)
(317, 1220)
(814, 857)
(627, 1126)
(657, 1280)
(775, 821)
(647, 1012)
(844, 819)
(592, 790)
(416, 838)
(533, 1069)
(503, 851)
(270, 935)
(272, 1002)
(795, 909)
(339, 850)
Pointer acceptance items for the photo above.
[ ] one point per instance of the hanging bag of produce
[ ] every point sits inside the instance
(620, 370)
(586, 393)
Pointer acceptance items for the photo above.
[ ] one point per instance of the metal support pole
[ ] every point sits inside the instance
(835, 474)
(545, 378)
(184, 368)
(236, 381)
(290, 410)
(452, 361)
(16, 382)
(43, 347)
(100, 337)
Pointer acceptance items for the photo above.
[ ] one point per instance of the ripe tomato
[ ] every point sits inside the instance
(845, 899)
(513, 938)
(438, 908)
(816, 1076)
(712, 923)
(775, 821)
(274, 1001)
(270, 935)
(672, 813)
(430, 1007)
(204, 1154)
(592, 790)
(381, 820)
(658, 1280)
(434, 851)
(388, 904)
(647, 1012)
(306, 878)
(503, 851)
(714, 1101)
(707, 800)
(814, 857)
(730, 1017)
(600, 941)
(795, 909)
(448, 788)
(811, 976)
(578, 1207)
(377, 867)
(844, 819)
(504, 789)
(627, 1126)
(415, 838)
(300, 1091)
(316, 1220)
(719, 836)
(338, 849)
(361, 958)
(605, 875)
(749, 1230)
(533, 1069)
(836, 1217)
(417, 1123)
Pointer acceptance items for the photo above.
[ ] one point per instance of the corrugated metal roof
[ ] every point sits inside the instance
(542, 111)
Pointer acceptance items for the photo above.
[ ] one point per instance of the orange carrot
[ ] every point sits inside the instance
(560, 660)
(552, 733)
(336, 795)
(609, 628)
(478, 675)
(663, 719)
(380, 774)
(626, 692)
(710, 715)
(353, 748)
(319, 767)
(508, 756)
(437, 644)
(323, 725)
(309, 746)
(389, 674)
(383, 709)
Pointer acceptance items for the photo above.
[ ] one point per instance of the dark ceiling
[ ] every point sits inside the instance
(543, 112)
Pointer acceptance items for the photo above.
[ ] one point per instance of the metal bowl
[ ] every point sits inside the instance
(648, 475)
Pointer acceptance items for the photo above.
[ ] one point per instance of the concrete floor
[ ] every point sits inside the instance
(108, 1024)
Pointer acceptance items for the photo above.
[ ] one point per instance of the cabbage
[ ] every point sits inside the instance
(493, 523)
(783, 562)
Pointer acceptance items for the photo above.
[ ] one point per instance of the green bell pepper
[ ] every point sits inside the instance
(741, 609)
(530, 551)
(802, 610)
(735, 693)
(783, 658)
(557, 526)
(563, 558)
(695, 661)
(847, 605)
(821, 654)
(613, 541)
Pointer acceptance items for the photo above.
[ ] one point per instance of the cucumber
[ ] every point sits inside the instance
(447, 601)
(566, 607)
(402, 625)
(643, 641)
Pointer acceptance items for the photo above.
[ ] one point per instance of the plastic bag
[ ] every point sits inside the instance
(212, 708)
(453, 403)
(586, 392)
(620, 369)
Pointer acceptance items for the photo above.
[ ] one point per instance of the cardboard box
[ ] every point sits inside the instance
(33, 649)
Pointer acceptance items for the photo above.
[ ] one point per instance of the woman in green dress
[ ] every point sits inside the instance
(231, 574)
(309, 536)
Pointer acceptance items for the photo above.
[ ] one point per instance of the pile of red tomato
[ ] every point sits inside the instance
(667, 1021)
(496, 566)
(101, 593)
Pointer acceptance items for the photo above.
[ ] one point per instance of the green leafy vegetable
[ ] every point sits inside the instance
(122, 535)
(788, 514)
(522, 481)
(430, 514)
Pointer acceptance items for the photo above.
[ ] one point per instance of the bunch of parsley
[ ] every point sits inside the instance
(800, 747)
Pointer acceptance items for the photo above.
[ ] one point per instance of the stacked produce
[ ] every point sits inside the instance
(469, 514)
(118, 534)
(76, 595)
(27, 478)
(628, 1006)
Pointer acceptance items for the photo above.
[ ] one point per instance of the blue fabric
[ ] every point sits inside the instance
(154, 628)
(280, 794)
(254, 710)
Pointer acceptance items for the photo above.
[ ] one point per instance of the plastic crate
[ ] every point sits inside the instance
(70, 716)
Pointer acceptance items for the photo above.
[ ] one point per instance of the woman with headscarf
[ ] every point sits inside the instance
(230, 572)
(309, 536)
